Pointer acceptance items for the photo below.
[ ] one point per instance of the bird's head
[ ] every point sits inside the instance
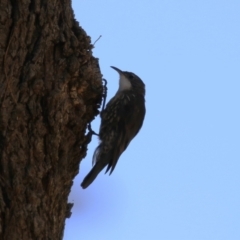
(130, 81)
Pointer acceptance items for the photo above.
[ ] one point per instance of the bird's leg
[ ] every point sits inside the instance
(88, 137)
(90, 131)
(104, 95)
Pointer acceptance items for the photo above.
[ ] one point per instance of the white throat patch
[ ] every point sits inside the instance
(124, 83)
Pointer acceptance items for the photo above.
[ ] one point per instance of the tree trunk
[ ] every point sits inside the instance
(50, 88)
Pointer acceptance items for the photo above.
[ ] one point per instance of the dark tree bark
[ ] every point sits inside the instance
(50, 88)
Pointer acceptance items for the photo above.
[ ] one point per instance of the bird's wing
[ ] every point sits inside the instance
(124, 117)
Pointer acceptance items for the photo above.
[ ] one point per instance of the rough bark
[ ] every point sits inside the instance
(50, 88)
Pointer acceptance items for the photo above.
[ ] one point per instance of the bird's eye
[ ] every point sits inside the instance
(131, 76)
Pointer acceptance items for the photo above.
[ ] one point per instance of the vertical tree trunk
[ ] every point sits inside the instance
(50, 88)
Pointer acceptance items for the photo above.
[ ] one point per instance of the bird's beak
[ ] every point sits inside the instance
(118, 70)
(124, 82)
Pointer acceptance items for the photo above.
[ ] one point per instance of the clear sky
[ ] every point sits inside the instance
(179, 179)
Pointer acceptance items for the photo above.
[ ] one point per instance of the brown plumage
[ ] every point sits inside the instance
(121, 120)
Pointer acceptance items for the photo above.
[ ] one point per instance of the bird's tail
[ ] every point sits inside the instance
(97, 168)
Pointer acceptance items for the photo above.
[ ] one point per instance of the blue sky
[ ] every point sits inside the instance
(179, 178)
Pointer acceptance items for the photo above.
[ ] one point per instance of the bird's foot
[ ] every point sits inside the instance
(88, 137)
(104, 95)
(90, 131)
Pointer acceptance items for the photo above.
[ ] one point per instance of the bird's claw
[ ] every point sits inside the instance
(104, 95)
(90, 131)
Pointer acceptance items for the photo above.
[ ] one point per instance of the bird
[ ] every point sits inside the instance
(121, 120)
